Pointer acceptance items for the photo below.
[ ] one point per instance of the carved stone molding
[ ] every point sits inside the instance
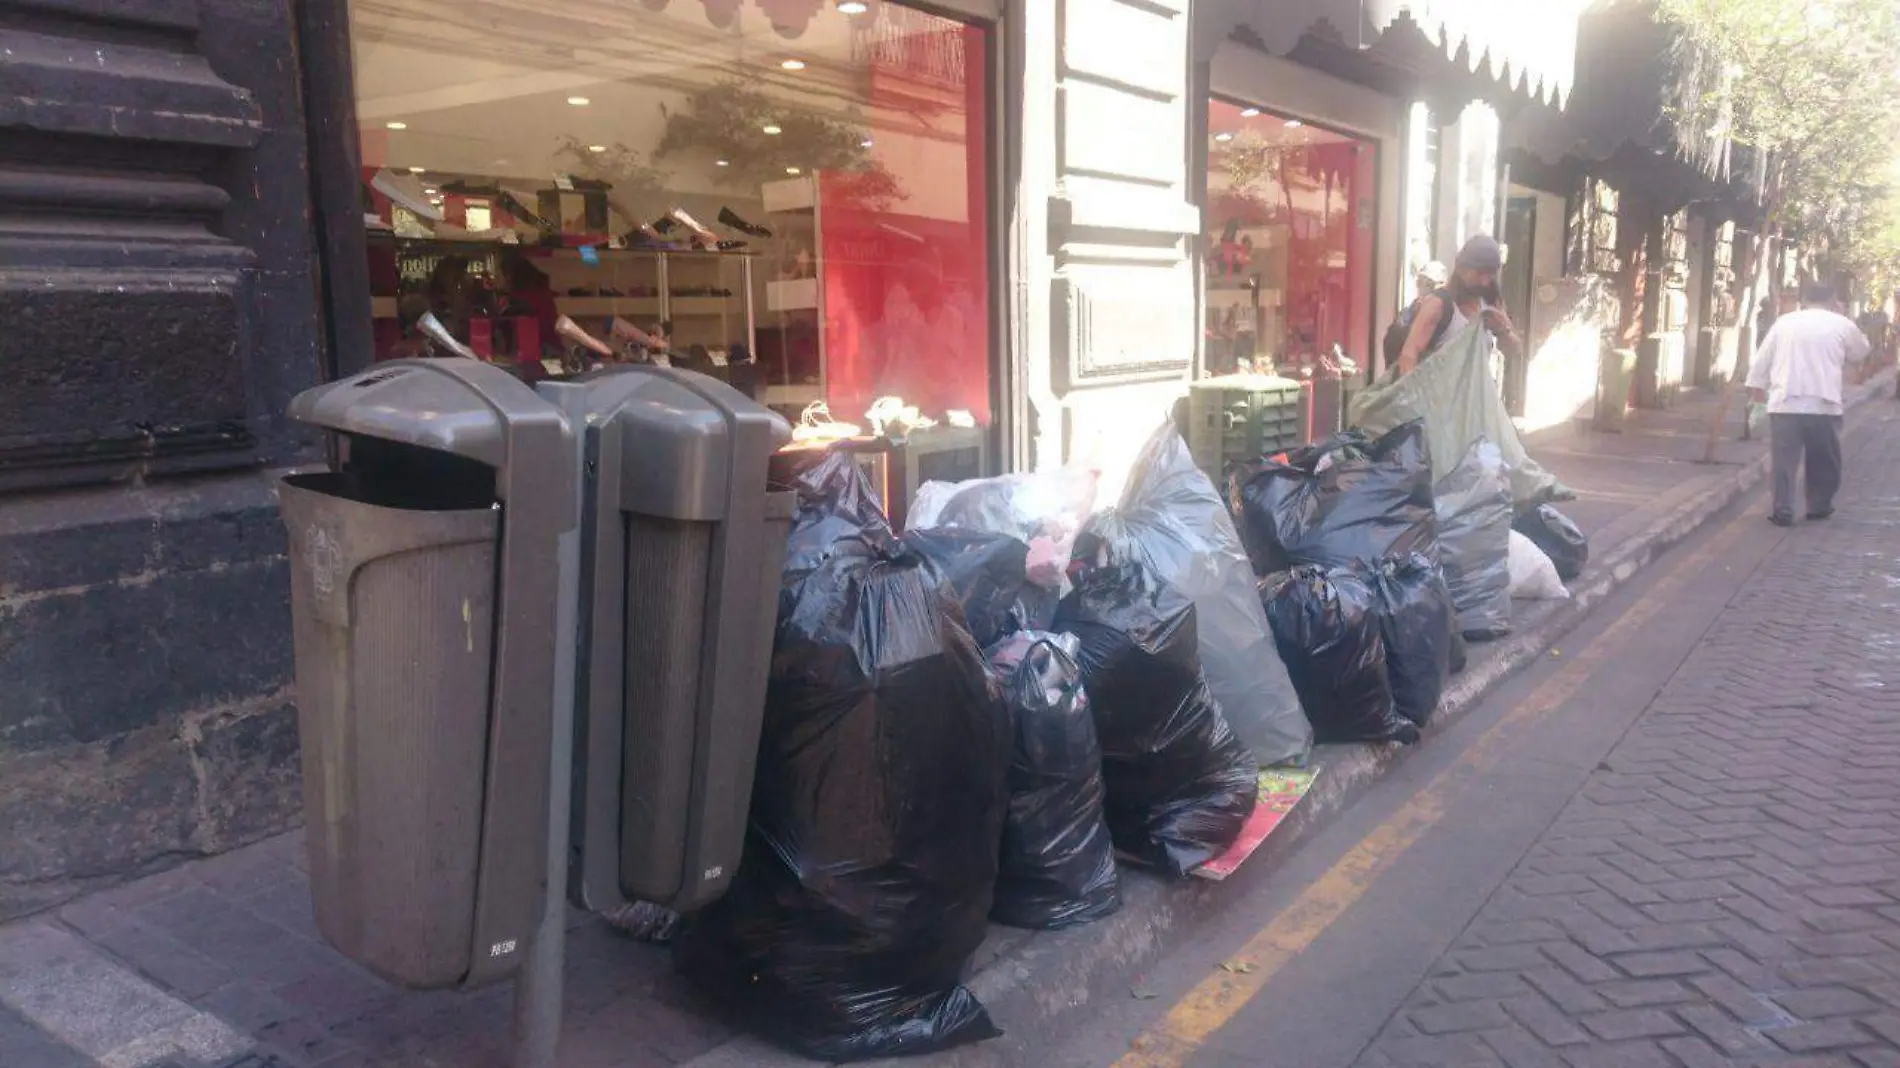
(155, 253)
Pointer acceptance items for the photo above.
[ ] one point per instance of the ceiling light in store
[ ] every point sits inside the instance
(1223, 137)
(866, 143)
(1294, 124)
(792, 64)
(772, 130)
(596, 148)
(721, 163)
(1248, 113)
(579, 101)
(431, 190)
(415, 170)
(793, 171)
(852, 7)
(397, 125)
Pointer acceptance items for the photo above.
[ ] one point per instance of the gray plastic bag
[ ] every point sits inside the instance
(1453, 392)
(1473, 503)
(1182, 527)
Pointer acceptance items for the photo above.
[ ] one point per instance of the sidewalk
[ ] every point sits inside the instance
(218, 962)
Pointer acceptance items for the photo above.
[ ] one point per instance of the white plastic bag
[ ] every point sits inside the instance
(1533, 576)
(1045, 510)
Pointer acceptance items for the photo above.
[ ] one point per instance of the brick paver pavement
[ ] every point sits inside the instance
(1726, 888)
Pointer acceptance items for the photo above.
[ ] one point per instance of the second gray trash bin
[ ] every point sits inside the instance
(682, 547)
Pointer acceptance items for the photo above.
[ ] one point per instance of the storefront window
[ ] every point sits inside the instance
(786, 193)
(1290, 212)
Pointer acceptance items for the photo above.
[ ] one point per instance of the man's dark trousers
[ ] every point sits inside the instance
(1818, 439)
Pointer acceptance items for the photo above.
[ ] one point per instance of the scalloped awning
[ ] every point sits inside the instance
(1522, 47)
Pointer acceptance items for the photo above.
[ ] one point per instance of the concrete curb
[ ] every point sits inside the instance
(1036, 984)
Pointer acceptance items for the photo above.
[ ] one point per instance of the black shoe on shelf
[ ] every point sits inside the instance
(1781, 519)
(730, 246)
(1820, 513)
(728, 217)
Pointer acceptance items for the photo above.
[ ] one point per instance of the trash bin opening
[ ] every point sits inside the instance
(389, 474)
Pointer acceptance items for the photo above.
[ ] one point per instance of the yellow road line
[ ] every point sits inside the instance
(1218, 998)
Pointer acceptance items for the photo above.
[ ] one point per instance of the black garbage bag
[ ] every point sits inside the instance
(1473, 502)
(1416, 623)
(835, 500)
(988, 573)
(1346, 500)
(1560, 538)
(1327, 626)
(881, 790)
(1058, 863)
(1179, 783)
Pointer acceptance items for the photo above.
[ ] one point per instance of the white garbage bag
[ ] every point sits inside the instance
(1533, 576)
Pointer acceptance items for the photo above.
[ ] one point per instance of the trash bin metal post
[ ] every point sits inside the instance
(540, 990)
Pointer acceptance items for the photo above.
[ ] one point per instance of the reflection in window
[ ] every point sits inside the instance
(1289, 252)
(783, 193)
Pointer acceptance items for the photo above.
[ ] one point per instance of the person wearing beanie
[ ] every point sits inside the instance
(1471, 294)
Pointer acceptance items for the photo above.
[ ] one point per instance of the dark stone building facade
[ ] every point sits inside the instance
(159, 303)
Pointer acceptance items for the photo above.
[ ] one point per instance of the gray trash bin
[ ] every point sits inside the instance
(682, 548)
(424, 583)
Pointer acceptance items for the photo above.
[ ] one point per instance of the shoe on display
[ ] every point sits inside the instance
(730, 218)
(729, 246)
(406, 190)
(572, 331)
(622, 330)
(432, 328)
(694, 225)
(665, 224)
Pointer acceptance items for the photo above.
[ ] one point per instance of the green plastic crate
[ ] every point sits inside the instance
(1242, 417)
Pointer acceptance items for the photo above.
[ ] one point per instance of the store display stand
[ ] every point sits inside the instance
(797, 220)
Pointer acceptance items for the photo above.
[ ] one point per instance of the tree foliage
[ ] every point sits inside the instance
(1812, 87)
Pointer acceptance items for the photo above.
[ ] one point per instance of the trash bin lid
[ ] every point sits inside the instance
(675, 433)
(462, 407)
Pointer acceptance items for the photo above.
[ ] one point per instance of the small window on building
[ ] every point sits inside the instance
(790, 195)
(1291, 216)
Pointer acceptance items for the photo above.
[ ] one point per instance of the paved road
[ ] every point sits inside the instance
(1676, 843)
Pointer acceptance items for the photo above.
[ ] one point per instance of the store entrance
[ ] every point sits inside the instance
(789, 196)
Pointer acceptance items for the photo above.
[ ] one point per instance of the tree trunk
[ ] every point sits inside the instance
(1760, 255)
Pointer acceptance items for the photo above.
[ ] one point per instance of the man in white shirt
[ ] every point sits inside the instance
(1797, 372)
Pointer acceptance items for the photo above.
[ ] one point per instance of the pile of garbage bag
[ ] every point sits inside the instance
(1473, 504)
(1179, 783)
(879, 802)
(1058, 863)
(1175, 520)
(1350, 499)
(1143, 661)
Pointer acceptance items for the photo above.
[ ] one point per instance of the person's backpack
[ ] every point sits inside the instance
(1401, 329)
